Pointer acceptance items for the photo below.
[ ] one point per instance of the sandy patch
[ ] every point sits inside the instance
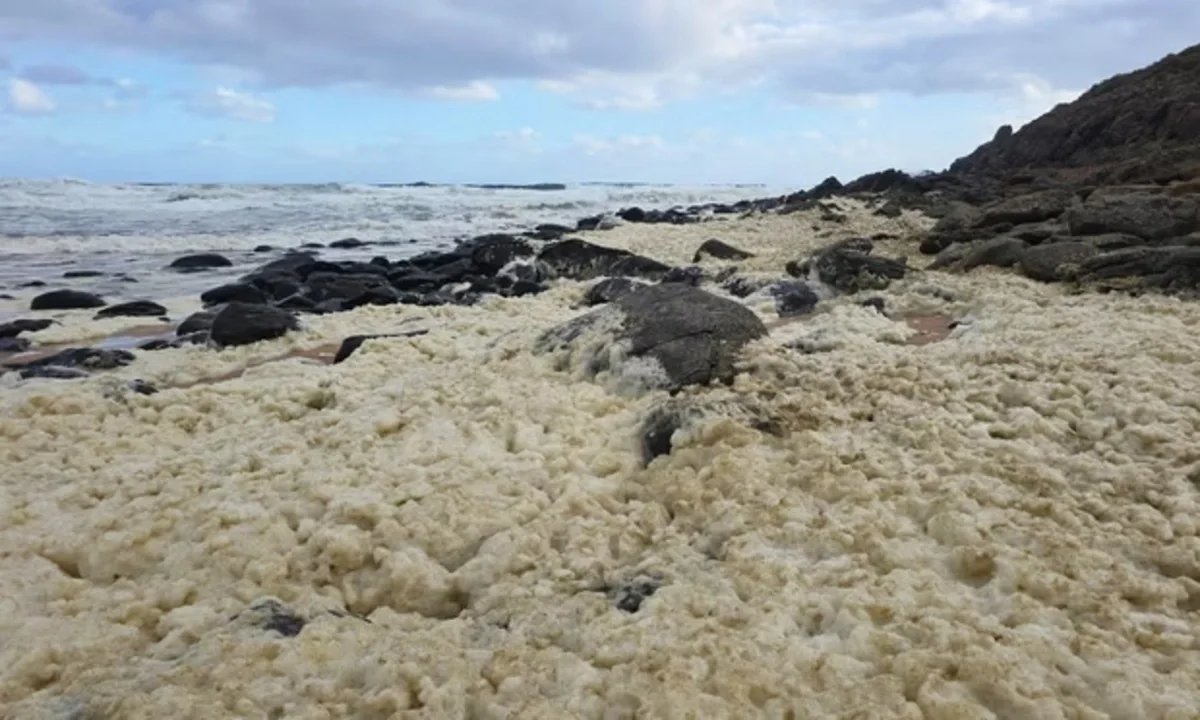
(1000, 524)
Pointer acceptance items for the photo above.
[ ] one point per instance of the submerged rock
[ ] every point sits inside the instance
(66, 300)
(134, 308)
(244, 324)
(662, 336)
(354, 342)
(347, 244)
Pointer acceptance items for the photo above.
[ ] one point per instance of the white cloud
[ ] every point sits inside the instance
(26, 98)
(635, 54)
(227, 103)
(474, 91)
(597, 146)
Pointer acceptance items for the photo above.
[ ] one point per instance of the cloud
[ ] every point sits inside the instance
(26, 98)
(54, 74)
(223, 102)
(474, 91)
(5, 63)
(634, 54)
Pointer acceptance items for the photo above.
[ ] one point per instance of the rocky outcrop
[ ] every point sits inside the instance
(663, 336)
(580, 260)
(848, 266)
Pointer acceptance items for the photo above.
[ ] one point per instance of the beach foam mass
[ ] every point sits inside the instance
(1002, 524)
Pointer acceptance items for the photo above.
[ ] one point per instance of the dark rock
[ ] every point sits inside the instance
(657, 429)
(330, 306)
(201, 261)
(793, 299)
(75, 274)
(610, 289)
(14, 328)
(158, 344)
(347, 244)
(6, 296)
(1036, 233)
(321, 286)
(416, 281)
(1056, 261)
(51, 372)
(263, 248)
(233, 292)
(126, 279)
(692, 334)
(550, 231)
(522, 288)
(14, 344)
(745, 287)
(81, 359)
(1168, 268)
(289, 263)
(532, 272)
(66, 300)
(580, 260)
(1107, 241)
(243, 324)
(716, 249)
(630, 596)
(589, 223)
(828, 187)
(32, 284)
(273, 616)
(141, 387)
(275, 285)
(997, 252)
(312, 246)
(957, 225)
(1151, 216)
(686, 275)
(877, 303)
(890, 209)
(1033, 207)
(381, 261)
(633, 215)
(354, 342)
(848, 266)
(197, 322)
(134, 308)
(297, 302)
(382, 295)
(490, 253)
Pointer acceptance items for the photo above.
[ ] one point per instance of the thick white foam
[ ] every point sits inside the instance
(1001, 524)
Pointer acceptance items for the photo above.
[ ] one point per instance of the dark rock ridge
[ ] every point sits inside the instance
(200, 261)
(134, 308)
(692, 335)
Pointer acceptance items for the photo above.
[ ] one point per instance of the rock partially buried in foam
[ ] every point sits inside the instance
(579, 260)
(66, 300)
(74, 363)
(848, 266)
(721, 251)
(23, 325)
(659, 337)
(610, 289)
(244, 324)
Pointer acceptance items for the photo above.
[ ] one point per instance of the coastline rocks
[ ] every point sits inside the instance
(347, 244)
(14, 344)
(490, 253)
(134, 308)
(997, 252)
(245, 324)
(686, 275)
(80, 274)
(1056, 261)
(67, 300)
(1035, 207)
(234, 292)
(200, 261)
(14, 328)
(662, 336)
(580, 260)
(1171, 268)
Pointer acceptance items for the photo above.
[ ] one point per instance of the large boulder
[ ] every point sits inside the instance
(659, 337)
(1173, 268)
(244, 324)
(1151, 216)
(490, 253)
(236, 292)
(580, 260)
(14, 328)
(66, 300)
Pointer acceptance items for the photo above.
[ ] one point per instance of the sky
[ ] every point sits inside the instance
(780, 92)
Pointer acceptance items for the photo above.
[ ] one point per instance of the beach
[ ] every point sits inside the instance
(979, 503)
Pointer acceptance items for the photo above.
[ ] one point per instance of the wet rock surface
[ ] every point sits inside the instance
(66, 300)
(243, 324)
